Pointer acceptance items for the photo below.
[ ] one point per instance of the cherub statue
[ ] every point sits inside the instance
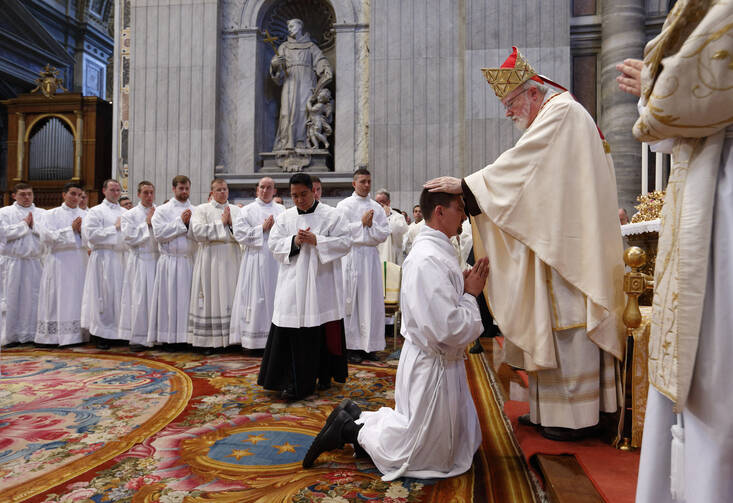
(318, 125)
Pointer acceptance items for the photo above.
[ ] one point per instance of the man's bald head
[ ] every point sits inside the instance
(266, 189)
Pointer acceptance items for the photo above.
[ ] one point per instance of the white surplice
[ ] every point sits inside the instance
(62, 282)
(309, 289)
(100, 306)
(390, 249)
(21, 274)
(433, 431)
(214, 283)
(363, 289)
(462, 244)
(253, 302)
(137, 288)
(172, 288)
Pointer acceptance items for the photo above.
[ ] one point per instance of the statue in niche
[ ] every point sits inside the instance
(303, 71)
(318, 125)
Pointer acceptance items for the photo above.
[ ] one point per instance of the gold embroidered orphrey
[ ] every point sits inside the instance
(505, 80)
(687, 98)
(49, 82)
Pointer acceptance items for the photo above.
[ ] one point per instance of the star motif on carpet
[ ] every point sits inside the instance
(256, 438)
(286, 447)
(240, 453)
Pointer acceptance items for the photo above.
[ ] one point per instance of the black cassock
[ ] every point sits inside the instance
(295, 358)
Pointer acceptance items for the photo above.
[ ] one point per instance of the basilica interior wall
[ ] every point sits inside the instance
(173, 57)
(432, 112)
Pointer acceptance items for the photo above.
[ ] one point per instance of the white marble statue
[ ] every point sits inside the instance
(302, 70)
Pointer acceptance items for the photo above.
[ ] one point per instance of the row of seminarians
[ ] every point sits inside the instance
(174, 291)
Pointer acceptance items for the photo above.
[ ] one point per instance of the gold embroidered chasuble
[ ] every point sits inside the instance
(687, 94)
(550, 200)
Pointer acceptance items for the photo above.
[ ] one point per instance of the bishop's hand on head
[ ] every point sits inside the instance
(447, 184)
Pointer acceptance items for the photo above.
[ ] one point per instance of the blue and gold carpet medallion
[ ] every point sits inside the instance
(157, 427)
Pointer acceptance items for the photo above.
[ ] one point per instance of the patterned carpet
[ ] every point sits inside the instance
(80, 425)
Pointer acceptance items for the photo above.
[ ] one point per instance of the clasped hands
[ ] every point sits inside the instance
(474, 279)
(367, 218)
(226, 216)
(305, 236)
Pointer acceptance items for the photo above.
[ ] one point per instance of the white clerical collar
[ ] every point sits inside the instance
(218, 205)
(176, 202)
(144, 208)
(23, 208)
(68, 208)
(429, 232)
(361, 198)
(263, 203)
(111, 205)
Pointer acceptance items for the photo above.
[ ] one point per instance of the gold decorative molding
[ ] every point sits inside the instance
(21, 146)
(49, 82)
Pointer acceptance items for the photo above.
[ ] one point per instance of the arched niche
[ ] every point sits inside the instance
(318, 19)
(244, 97)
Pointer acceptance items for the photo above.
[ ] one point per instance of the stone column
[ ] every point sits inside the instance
(622, 32)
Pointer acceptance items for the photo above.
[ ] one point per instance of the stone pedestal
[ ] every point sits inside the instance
(290, 161)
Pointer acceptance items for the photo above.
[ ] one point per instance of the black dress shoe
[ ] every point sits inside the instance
(45, 346)
(350, 407)
(324, 385)
(372, 357)
(102, 344)
(567, 434)
(524, 420)
(329, 438)
(136, 348)
(355, 357)
(288, 394)
(359, 451)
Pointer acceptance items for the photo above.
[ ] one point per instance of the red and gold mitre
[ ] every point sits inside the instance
(514, 72)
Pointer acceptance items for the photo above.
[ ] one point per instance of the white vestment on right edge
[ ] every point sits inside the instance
(172, 288)
(690, 343)
(433, 429)
(253, 301)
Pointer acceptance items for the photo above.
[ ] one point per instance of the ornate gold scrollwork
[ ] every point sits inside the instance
(635, 284)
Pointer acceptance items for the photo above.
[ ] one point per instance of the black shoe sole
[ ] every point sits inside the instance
(309, 457)
(526, 422)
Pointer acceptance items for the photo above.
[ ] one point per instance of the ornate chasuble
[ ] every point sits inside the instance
(550, 200)
(687, 94)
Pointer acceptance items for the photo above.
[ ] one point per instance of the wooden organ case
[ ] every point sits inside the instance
(57, 138)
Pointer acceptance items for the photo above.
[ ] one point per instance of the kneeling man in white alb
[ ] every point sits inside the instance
(433, 431)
